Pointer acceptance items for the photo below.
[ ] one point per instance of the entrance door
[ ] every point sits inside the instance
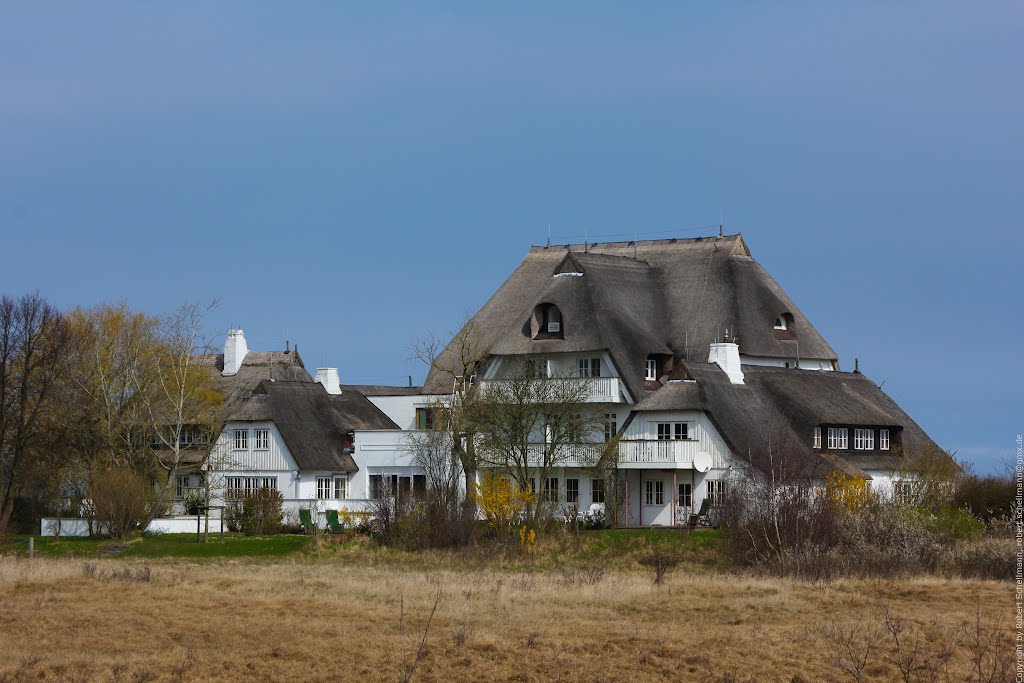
(656, 499)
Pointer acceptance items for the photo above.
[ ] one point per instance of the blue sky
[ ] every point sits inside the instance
(350, 176)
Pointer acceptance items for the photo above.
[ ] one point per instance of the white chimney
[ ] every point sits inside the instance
(727, 355)
(234, 352)
(329, 378)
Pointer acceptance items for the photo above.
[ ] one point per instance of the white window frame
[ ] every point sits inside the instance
(685, 492)
(572, 490)
(325, 488)
(654, 492)
(716, 491)
(864, 439)
(241, 439)
(883, 439)
(550, 494)
(838, 438)
(597, 490)
(651, 370)
(676, 431)
(611, 426)
(247, 486)
(589, 367)
(340, 488)
(816, 442)
(780, 323)
(261, 440)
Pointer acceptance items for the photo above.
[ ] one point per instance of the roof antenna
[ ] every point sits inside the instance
(586, 242)
(549, 243)
(856, 364)
(634, 245)
(721, 223)
(287, 346)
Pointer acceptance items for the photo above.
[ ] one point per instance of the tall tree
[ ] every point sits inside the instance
(461, 360)
(34, 350)
(530, 422)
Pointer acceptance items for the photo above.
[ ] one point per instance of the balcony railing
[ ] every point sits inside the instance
(677, 451)
(671, 453)
(601, 389)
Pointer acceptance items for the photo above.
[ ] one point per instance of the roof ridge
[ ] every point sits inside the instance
(582, 247)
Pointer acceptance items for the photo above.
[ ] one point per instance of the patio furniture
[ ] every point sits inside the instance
(334, 523)
(306, 519)
(701, 518)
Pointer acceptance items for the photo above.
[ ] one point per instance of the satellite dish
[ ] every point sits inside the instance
(702, 461)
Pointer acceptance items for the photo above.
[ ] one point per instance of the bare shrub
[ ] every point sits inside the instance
(661, 562)
(852, 646)
(589, 574)
(121, 501)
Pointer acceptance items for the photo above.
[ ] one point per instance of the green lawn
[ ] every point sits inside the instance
(619, 546)
(162, 545)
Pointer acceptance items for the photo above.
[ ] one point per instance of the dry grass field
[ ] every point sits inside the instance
(344, 617)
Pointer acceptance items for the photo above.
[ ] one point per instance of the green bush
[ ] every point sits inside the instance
(193, 501)
(952, 524)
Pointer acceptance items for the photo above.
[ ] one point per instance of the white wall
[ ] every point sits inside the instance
(805, 363)
(702, 432)
(402, 409)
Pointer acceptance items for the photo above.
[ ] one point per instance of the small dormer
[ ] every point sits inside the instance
(569, 267)
(783, 327)
(546, 322)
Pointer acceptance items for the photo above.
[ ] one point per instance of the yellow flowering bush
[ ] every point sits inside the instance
(501, 501)
(847, 493)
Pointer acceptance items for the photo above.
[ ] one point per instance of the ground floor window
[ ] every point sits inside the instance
(716, 492)
(685, 495)
(572, 491)
(654, 492)
(597, 490)
(238, 487)
(551, 489)
(903, 492)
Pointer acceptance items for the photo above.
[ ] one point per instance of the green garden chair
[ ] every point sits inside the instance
(705, 505)
(306, 519)
(334, 523)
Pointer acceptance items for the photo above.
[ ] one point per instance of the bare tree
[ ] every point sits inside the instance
(530, 422)
(34, 343)
(182, 406)
(460, 361)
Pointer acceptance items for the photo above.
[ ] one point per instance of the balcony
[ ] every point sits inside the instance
(638, 454)
(601, 389)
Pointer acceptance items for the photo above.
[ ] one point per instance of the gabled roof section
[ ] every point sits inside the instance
(786, 405)
(659, 296)
(312, 422)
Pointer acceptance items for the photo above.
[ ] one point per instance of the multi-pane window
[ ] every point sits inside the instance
(551, 489)
(903, 492)
(331, 488)
(181, 485)
(590, 367)
(654, 492)
(572, 490)
(611, 426)
(376, 486)
(261, 439)
(838, 438)
(883, 439)
(247, 486)
(685, 495)
(817, 437)
(864, 439)
(673, 430)
(597, 490)
(651, 369)
(716, 491)
(241, 439)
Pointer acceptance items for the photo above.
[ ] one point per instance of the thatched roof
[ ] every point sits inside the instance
(672, 297)
(788, 404)
(382, 390)
(275, 386)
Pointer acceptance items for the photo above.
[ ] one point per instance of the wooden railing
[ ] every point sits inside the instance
(601, 389)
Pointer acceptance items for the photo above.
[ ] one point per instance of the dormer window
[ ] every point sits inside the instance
(780, 323)
(817, 438)
(783, 327)
(547, 322)
(651, 369)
